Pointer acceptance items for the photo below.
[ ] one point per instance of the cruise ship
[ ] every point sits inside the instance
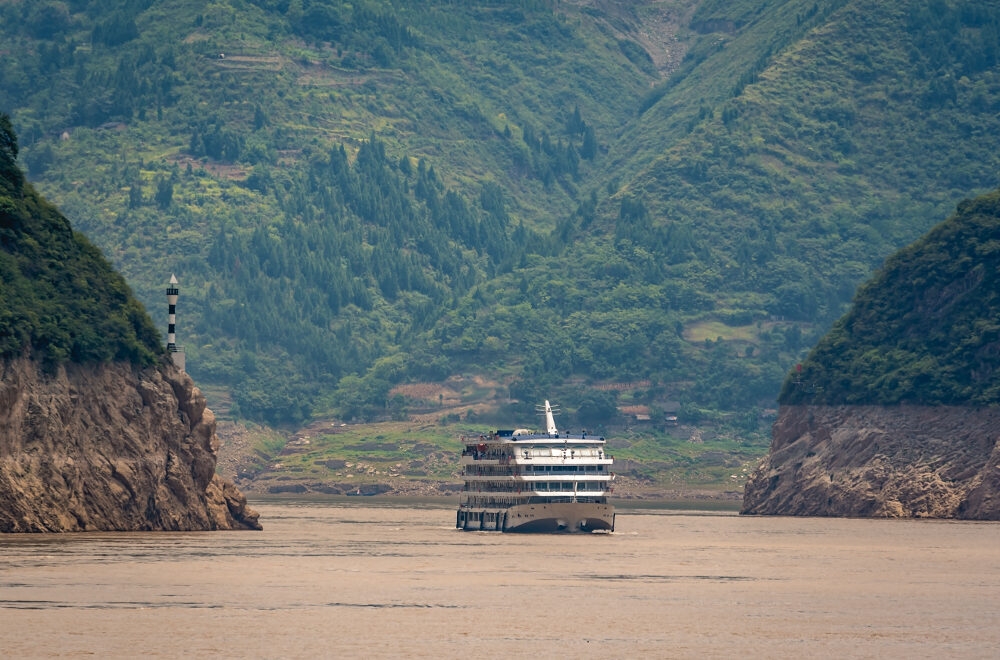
(525, 481)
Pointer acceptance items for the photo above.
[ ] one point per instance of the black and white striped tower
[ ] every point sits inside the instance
(176, 352)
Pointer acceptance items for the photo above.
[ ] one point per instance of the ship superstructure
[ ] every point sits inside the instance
(526, 481)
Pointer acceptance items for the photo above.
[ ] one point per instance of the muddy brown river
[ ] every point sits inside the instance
(390, 578)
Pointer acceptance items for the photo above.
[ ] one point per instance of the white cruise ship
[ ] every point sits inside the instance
(525, 481)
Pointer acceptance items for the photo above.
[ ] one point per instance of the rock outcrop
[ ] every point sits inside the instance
(110, 447)
(880, 461)
(896, 411)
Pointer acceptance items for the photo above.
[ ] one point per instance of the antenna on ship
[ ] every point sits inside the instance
(550, 422)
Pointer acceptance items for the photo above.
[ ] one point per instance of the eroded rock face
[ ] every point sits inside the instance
(880, 461)
(110, 447)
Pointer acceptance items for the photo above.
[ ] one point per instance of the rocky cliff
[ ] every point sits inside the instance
(896, 411)
(98, 431)
(881, 461)
(109, 447)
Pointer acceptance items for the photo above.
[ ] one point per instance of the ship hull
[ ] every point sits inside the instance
(544, 518)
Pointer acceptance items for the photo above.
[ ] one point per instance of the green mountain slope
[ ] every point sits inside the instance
(60, 300)
(356, 196)
(771, 172)
(924, 330)
(833, 151)
(228, 143)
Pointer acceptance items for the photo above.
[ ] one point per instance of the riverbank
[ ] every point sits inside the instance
(421, 459)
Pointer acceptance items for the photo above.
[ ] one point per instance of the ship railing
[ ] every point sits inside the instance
(531, 477)
(495, 489)
(525, 455)
(489, 471)
(476, 455)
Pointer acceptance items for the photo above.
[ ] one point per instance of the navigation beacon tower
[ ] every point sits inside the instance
(176, 352)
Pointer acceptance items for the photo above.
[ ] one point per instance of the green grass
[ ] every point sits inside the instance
(668, 461)
(702, 330)
(427, 451)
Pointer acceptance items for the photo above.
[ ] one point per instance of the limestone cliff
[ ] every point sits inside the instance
(111, 446)
(880, 461)
(896, 411)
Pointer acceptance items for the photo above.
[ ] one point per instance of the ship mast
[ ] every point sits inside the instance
(550, 421)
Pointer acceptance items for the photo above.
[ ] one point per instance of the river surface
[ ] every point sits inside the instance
(370, 578)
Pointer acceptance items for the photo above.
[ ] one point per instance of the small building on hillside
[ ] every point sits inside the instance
(671, 410)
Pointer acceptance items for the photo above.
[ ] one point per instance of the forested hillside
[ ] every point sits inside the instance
(323, 179)
(791, 151)
(680, 196)
(60, 300)
(837, 147)
(924, 330)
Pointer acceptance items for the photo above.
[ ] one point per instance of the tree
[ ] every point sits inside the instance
(260, 119)
(39, 159)
(115, 30)
(135, 195)
(596, 407)
(574, 122)
(9, 171)
(164, 192)
(47, 19)
(589, 148)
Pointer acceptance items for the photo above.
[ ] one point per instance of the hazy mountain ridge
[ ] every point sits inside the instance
(811, 175)
(723, 204)
(281, 148)
(773, 206)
